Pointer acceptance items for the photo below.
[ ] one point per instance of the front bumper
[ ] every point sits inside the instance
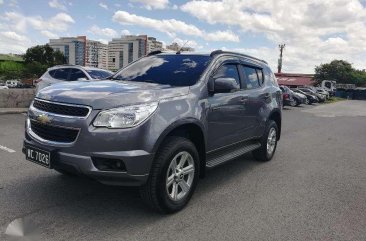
(129, 147)
(136, 163)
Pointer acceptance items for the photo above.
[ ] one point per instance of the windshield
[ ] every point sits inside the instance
(174, 69)
(99, 74)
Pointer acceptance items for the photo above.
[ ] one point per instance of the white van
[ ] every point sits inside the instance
(330, 86)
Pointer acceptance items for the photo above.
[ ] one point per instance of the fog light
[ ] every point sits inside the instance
(106, 164)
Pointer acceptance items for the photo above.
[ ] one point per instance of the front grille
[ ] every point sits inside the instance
(61, 109)
(54, 133)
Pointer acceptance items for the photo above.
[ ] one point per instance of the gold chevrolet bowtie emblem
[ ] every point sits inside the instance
(44, 119)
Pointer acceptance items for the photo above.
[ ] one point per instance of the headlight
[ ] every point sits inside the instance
(125, 117)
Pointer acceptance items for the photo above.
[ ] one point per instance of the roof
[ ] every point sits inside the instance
(294, 79)
(213, 53)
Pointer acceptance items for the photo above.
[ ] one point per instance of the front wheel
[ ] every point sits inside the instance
(268, 143)
(173, 177)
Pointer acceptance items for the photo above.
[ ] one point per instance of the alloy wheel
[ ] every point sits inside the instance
(180, 175)
(271, 141)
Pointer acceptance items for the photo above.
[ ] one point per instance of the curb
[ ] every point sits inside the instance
(6, 111)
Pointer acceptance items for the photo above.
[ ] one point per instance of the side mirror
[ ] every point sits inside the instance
(225, 85)
(81, 79)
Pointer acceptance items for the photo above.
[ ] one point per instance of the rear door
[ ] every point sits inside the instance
(258, 97)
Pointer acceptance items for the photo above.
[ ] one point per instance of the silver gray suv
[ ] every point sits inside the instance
(158, 123)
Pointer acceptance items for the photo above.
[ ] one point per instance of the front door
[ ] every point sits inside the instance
(227, 117)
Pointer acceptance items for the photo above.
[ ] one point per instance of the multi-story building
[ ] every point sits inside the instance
(153, 45)
(176, 47)
(124, 50)
(73, 48)
(96, 54)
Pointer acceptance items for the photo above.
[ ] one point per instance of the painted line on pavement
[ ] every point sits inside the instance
(4, 148)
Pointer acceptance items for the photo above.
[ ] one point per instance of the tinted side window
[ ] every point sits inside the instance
(228, 71)
(260, 76)
(52, 72)
(77, 74)
(61, 74)
(251, 77)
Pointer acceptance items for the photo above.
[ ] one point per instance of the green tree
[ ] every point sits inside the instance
(38, 58)
(338, 70)
(11, 70)
(44, 55)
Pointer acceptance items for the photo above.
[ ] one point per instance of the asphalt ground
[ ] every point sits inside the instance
(313, 189)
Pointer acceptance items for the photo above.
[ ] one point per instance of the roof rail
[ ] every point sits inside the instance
(216, 52)
(154, 52)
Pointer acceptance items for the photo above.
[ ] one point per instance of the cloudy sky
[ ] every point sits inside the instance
(314, 31)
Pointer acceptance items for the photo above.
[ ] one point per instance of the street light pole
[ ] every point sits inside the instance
(281, 47)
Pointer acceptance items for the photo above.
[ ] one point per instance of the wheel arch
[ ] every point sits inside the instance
(276, 116)
(191, 129)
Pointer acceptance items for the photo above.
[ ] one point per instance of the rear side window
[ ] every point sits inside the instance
(260, 76)
(61, 74)
(251, 77)
(228, 71)
(77, 74)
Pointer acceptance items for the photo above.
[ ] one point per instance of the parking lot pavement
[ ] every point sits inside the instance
(313, 189)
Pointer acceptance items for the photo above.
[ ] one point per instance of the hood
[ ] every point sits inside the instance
(109, 94)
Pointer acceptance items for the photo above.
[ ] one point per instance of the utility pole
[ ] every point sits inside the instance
(281, 46)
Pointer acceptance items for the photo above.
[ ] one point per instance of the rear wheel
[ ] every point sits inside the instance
(268, 143)
(173, 177)
(307, 101)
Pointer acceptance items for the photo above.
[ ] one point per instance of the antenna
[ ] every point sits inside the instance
(180, 49)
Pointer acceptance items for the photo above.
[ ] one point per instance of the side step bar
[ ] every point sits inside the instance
(224, 157)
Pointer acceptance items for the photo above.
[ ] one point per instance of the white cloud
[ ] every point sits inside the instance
(314, 31)
(125, 32)
(49, 34)
(153, 4)
(12, 42)
(60, 22)
(172, 27)
(1, 2)
(222, 36)
(187, 43)
(56, 4)
(103, 5)
(104, 41)
(106, 32)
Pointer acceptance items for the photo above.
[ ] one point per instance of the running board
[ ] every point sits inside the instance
(230, 155)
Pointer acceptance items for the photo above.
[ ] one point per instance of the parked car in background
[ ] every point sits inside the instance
(11, 83)
(311, 98)
(158, 123)
(287, 96)
(23, 86)
(67, 73)
(321, 98)
(315, 90)
(3, 86)
(323, 92)
(299, 98)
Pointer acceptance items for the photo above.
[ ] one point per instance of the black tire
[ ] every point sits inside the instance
(154, 192)
(297, 102)
(262, 154)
